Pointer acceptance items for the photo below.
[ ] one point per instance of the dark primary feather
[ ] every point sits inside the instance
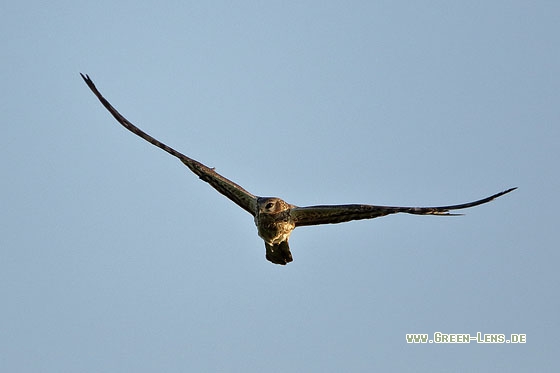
(228, 188)
(315, 215)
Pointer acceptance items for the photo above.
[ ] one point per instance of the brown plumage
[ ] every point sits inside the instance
(276, 219)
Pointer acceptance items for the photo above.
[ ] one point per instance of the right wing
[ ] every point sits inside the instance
(228, 188)
(315, 215)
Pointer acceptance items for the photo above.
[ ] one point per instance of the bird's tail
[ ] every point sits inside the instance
(279, 253)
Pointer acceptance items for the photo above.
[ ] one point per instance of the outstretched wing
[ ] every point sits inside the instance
(228, 188)
(315, 215)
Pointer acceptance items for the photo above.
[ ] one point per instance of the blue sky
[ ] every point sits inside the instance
(115, 257)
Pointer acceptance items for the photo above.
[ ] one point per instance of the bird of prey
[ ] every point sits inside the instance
(276, 219)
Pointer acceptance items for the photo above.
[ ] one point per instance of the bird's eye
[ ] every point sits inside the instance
(269, 205)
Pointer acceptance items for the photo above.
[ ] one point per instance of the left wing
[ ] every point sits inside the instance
(315, 215)
(228, 188)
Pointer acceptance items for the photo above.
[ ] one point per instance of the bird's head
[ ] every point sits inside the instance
(272, 205)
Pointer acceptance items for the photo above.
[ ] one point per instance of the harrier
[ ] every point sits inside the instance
(276, 219)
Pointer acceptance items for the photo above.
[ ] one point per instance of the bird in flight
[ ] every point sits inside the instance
(276, 219)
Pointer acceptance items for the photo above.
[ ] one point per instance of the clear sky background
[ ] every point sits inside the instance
(114, 257)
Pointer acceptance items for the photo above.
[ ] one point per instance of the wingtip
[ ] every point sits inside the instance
(90, 84)
(508, 190)
(86, 78)
(499, 194)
